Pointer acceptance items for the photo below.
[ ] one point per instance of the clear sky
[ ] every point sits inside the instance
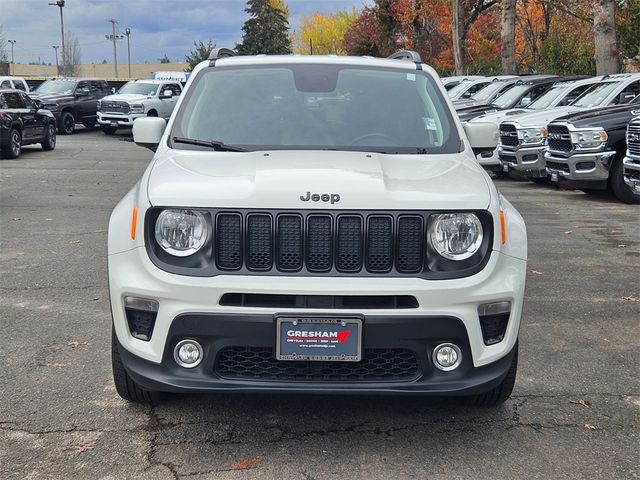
(157, 26)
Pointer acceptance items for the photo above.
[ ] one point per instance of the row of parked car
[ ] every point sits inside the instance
(581, 132)
(58, 105)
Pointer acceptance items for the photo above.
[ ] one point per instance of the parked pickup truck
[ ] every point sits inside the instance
(522, 141)
(135, 99)
(585, 150)
(632, 160)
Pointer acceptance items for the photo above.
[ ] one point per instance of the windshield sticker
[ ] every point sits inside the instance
(411, 76)
(429, 123)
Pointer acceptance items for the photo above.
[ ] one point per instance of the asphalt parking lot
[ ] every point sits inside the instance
(574, 413)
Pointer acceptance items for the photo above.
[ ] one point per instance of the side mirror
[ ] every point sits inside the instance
(167, 94)
(82, 93)
(525, 101)
(147, 131)
(38, 104)
(625, 98)
(482, 136)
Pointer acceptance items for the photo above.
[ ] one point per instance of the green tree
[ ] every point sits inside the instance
(200, 54)
(266, 31)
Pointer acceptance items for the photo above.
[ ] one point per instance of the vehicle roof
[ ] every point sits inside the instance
(578, 81)
(77, 79)
(10, 77)
(459, 78)
(260, 60)
(150, 80)
(7, 90)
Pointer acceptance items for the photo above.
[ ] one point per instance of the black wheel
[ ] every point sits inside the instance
(89, 123)
(125, 386)
(620, 189)
(540, 180)
(502, 392)
(67, 123)
(49, 142)
(108, 129)
(13, 146)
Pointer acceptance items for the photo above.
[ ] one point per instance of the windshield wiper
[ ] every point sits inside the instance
(214, 144)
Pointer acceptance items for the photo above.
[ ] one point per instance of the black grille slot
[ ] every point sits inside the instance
(229, 241)
(319, 243)
(410, 240)
(633, 145)
(263, 300)
(349, 244)
(289, 243)
(259, 242)
(380, 244)
(563, 167)
(509, 135)
(558, 138)
(378, 364)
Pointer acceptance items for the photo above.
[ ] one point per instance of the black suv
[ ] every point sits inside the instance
(22, 122)
(72, 100)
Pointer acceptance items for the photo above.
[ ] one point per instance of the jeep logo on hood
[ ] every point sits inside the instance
(317, 197)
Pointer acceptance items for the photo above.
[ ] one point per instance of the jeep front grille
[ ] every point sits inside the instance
(509, 135)
(633, 139)
(558, 138)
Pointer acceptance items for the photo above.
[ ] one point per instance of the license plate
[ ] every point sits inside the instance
(505, 167)
(114, 124)
(319, 339)
(554, 177)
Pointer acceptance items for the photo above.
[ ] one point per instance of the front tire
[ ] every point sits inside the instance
(108, 130)
(125, 386)
(67, 123)
(502, 392)
(620, 189)
(49, 142)
(13, 146)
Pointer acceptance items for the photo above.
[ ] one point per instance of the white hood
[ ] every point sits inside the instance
(277, 179)
(501, 115)
(125, 97)
(542, 118)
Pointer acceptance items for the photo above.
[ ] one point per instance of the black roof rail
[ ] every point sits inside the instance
(221, 52)
(406, 55)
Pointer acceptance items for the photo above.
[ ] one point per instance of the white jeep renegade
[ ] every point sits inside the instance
(315, 224)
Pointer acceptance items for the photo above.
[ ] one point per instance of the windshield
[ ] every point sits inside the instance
(459, 89)
(549, 97)
(487, 92)
(135, 88)
(511, 97)
(57, 86)
(596, 95)
(310, 106)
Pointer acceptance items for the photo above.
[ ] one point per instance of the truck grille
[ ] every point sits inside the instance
(347, 243)
(559, 138)
(633, 139)
(378, 364)
(114, 107)
(509, 135)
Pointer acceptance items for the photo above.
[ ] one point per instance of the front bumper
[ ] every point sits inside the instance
(490, 162)
(120, 120)
(631, 172)
(592, 166)
(527, 160)
(188, 306)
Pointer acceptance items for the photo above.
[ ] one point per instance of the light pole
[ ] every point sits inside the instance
(13, 65)
(60, 3)
(113, 37)
(127, 32)
(56, 47)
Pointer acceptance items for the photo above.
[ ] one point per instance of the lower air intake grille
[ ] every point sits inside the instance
(378, 364)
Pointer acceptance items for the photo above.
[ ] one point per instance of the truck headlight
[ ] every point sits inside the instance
(99, 105)
(532, 136)
(136, 108)
(455, 236)
(181, 232)
(52, 107)
(589, 138)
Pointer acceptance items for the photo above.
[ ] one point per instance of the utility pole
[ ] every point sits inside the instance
(56, 47)
(13, 65)
(60, 4)
(113, 37)
(127, 32)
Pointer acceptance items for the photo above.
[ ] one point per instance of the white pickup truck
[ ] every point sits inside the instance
(137, 98)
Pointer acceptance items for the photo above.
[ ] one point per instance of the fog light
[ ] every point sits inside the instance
(188, 353)
(447, 357)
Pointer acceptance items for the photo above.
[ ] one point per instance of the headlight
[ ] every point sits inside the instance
(99, 105)
(533, 135)
(136, 108)
(455, 236)
(591, 138)
(181, 232)
(52, 107)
